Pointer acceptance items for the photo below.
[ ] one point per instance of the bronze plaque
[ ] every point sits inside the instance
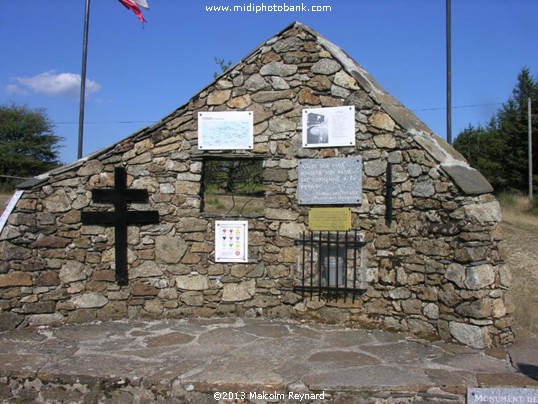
(329, 219)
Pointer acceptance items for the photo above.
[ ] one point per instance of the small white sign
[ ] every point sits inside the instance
(329, 127)
(226, 130)
(501, 395)
(9, 208)
(231, 241)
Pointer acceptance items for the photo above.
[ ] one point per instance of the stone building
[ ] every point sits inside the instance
(431, 259)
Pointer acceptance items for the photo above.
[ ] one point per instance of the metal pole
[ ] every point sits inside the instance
(448, 74)
(83, 79)
(529, 105)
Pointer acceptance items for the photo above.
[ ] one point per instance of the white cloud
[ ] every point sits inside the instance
(14, 89)
(52, 84)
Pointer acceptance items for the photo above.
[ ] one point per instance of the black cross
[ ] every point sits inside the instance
(120, 196)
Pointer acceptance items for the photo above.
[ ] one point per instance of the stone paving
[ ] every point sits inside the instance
(248, 360)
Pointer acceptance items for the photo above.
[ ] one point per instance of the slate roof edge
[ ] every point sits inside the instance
(453, 164)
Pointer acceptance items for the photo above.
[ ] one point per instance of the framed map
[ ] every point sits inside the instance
(225, 130)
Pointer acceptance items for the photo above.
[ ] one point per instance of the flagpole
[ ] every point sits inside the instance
(83, 79)
(529, 112)
(448, 73)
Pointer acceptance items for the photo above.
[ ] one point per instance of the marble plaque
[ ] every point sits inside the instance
(331, 181)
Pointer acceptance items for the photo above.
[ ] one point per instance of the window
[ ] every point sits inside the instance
(233, 187)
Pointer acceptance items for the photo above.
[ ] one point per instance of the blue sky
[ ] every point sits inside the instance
(137, 75)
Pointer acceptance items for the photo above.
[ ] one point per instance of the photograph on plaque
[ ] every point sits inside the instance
(330, 181)
(231, 241)
(226, 130)
(329, 127)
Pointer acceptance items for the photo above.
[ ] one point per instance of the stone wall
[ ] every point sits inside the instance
(438, 270)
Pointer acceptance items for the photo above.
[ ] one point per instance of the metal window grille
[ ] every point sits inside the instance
(331, 264)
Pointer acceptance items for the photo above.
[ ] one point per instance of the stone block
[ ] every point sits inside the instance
(280, 214)
(147, 269)
(256, 83)
(192, 224)
(325, 67)
(90, 300)
(375, 168)
(278, 69)
(477, 309)
(424, 189)
(48, 278)
(400, 293)
(39, 320)
(236, 292)
(489, 212)
(421, 327)
(144, 289)
(470, 335)
(456, 273)
(343, 79)
(39, 307)
(292, 230)
(15, 279)
(306, 96)
(383, 121)
(192, 282)
(170, 250)
(10, 252)
(412, 306)
(275, 175)
(478, 277)
(9, 321)
(431, 310)
(73, 271)
(218, 97)
(192, 298)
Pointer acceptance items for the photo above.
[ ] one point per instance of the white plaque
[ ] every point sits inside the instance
(225, 130)
(502, 395)
(231, 241)
(329, 127)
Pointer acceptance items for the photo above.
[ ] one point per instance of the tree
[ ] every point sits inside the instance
(482, 148)
(500, 149)
(28, 146)
(222, 65)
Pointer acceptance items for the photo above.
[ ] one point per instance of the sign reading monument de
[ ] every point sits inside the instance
(332, 181)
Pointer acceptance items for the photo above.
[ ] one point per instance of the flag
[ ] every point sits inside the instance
(142, 3)
(133, 5)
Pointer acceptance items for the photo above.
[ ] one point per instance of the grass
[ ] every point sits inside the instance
(518, 210)
(520, 217)
(247, 205)
(4, 200)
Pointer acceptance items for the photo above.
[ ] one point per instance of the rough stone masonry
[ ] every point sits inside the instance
(439, 270)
